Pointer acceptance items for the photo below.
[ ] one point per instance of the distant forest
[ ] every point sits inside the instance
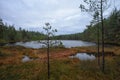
(112, 30)
(111, 24)
(8, 33)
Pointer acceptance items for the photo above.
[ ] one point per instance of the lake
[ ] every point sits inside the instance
(26, 59)
(90, 56)
(84, 56)
(66, 43)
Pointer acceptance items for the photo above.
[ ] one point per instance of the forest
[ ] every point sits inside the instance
(112, 30)
(93, 54)
(8, 33)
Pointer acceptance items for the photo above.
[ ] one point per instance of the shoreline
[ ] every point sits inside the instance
(14, 54)
(11, 64)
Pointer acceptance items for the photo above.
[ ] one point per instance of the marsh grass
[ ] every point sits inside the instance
(60, 68)
(63, 69)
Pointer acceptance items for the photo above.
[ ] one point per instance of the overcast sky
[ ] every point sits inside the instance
(63, 15)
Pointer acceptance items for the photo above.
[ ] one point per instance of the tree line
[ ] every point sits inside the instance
(111, 30)
(8, 33)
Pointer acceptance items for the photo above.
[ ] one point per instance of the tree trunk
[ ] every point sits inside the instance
(103, 59)
(98, 43)
(48, 58)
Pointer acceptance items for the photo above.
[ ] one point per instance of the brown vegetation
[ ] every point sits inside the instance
(14, 54)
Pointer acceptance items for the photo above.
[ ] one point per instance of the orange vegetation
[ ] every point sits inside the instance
(15, 53)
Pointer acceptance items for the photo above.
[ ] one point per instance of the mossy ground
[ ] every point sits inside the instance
(61, 68)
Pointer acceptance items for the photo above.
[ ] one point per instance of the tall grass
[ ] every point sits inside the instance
(62, 69)
(12, 68)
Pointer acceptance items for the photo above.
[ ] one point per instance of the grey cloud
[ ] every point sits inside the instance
(63, 15)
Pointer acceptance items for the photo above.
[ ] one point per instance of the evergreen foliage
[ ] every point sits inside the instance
(8, 33)
(111, 26)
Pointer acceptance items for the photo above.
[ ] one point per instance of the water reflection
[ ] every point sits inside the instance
(26, 59)
(66, 43)
(83, 56)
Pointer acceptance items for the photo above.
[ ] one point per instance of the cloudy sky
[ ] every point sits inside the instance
(63, 15)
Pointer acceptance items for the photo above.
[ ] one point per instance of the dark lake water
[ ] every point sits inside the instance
(66, 43)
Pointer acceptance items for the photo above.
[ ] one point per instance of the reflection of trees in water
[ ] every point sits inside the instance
(106, 54)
